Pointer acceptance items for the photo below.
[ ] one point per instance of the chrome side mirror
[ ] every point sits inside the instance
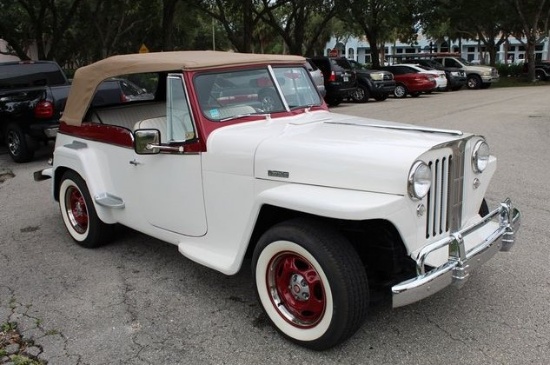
(146, 141)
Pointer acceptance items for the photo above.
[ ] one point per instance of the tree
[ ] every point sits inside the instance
(300, 23)
(485, 21)
(237, 17)
(43, 23)
(379, 19)
(533, 25)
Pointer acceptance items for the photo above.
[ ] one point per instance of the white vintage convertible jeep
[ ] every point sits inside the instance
(238, 153)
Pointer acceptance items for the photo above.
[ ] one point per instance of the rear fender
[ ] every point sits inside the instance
(76, 156)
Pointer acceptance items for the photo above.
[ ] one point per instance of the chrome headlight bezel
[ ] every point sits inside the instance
(480, 156)
(419, 181)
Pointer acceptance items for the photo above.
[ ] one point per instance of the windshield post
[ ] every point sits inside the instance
(278, 87)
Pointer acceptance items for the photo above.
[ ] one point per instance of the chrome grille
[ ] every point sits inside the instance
(444, 201)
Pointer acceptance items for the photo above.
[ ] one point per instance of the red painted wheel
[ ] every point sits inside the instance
(79, 214)
(297, 290)
(77, 211)
(311, 283)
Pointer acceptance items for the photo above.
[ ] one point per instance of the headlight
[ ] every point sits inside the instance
(486, 73)
(480, 156)
(377, 76)
(420, 180)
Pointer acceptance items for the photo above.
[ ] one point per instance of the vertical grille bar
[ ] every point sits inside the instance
(438, 197)
(444, 196)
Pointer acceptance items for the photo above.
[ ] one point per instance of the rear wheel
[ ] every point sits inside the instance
(18, 147)
(79, 214)
(400, 91)
(311, 283)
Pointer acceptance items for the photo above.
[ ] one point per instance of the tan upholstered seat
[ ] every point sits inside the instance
(153, 123)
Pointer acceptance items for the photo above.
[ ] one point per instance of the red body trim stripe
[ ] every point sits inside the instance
(111, 134)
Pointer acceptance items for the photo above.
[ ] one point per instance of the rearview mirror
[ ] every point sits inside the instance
(145, 139)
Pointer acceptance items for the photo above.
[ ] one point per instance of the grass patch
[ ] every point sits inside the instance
(10, 336)
(517, 82)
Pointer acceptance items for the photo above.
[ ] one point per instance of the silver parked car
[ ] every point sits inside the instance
(317, 76)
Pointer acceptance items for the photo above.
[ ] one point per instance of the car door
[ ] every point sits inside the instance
(170, 183)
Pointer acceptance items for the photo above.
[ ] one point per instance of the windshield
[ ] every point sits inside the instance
(467, 63)
(228, 95)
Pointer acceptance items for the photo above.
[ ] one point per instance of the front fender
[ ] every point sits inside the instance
(332, 202)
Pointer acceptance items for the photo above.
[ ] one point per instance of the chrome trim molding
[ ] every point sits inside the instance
(461, 262)
(405, 128)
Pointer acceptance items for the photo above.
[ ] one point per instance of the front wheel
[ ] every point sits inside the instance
(311, 283)
(79, 214)
(360, 95)
(473, 82)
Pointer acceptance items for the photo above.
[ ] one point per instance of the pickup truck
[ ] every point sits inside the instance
(477, 76)
(32, 96)
(238, 156)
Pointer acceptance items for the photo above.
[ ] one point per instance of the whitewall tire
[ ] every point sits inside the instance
(311, 283)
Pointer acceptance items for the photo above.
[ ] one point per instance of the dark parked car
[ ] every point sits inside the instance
(119, 90)
(377, 84)
(410, 81)
(456, 78)
(32, 97)
(340, 80)
(542, 70)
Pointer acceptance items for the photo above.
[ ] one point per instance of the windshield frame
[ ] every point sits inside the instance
(226, 95)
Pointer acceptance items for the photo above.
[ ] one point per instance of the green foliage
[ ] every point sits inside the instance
(77, 32)
(513, 70)
(23, 360)
(9, 326)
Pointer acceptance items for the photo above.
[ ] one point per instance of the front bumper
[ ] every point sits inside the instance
(461, 262)
(487, 79)
(383, 87)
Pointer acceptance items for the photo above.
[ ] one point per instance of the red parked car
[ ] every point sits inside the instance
(410, 81)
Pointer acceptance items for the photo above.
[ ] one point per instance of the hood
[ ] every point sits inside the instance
(327, 149)
(481, 68)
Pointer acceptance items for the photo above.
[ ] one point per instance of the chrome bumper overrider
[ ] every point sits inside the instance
(461, 262)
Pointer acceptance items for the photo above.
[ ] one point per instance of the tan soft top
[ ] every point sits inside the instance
(88, 78)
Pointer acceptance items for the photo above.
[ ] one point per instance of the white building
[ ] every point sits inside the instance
(359, 49)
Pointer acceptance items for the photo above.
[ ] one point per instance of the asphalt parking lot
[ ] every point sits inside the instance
(138, 301)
